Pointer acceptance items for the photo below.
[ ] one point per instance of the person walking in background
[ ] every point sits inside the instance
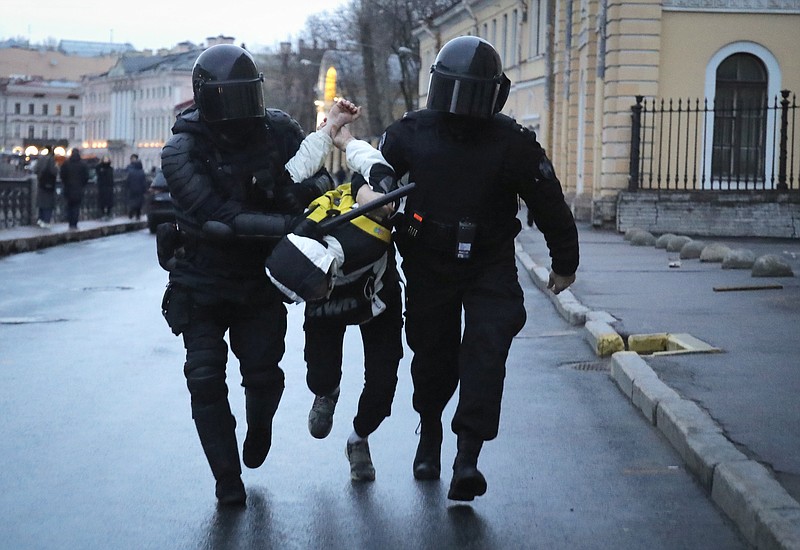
(74, 176)
(46, 174)
(456, 238)
(105, 188)
(136, 185)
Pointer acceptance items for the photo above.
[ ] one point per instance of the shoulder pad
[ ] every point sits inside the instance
(511, 124)
(192, 114)
(188, 121)
(280, 121)
(176, 153)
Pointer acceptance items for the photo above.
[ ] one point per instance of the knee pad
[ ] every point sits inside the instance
(206, 383)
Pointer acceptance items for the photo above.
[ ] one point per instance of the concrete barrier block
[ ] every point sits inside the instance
(779, 528)
(687, 343)
(602, 316)
(648, 392)
(704, 451)
(679, 419)
(626, 367)
(541, 276)
(604, 340)
(648, 343)
(764, 512)
(570, 309)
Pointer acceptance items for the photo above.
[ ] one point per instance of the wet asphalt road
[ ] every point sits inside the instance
(98, 450)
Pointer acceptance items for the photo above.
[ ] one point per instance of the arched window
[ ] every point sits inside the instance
(740, 119)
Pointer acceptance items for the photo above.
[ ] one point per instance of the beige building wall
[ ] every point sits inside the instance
(693, 46)
(518, 30)
(632, 67)
(691, 40)
(595, 56)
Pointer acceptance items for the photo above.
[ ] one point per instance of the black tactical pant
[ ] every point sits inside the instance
(488, 291)
(382, 338)
(256, 331)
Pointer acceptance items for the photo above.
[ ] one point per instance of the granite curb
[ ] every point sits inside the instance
(764, 512)
(14, 244)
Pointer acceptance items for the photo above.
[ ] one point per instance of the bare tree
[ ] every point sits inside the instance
(381, 31)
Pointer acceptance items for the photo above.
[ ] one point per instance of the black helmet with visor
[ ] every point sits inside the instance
(467, 79)
(227, 84)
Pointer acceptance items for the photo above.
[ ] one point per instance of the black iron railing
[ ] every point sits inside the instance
(695, 145)
(18, 207)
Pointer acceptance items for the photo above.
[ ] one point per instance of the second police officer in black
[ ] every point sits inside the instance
(469, 163)
(225, 166)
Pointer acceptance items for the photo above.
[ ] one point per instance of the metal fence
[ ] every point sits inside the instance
(691, 145)
(18, 202)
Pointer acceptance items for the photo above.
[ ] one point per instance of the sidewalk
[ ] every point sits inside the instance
(726, 397)
(32, 237)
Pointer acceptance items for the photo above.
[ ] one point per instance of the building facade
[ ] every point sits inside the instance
(37, 114)
(578, 67)
(130, 109)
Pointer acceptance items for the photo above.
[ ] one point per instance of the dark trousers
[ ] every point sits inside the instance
(382, 338)
(488, 292)
(256, 332)
(105, 199)
(73, 213)
(45, 214)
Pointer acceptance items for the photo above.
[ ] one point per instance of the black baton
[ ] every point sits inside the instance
(329, 224)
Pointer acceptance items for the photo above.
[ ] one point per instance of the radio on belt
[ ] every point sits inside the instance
(465, 237)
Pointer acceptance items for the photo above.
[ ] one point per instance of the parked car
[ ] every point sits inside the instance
(159, 207)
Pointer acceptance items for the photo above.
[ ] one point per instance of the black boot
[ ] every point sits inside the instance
(468, 482)
(427, 462)
(216, 427)
(260, 405)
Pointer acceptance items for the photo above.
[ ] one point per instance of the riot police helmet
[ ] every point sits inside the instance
(227, 84)
(467, 79)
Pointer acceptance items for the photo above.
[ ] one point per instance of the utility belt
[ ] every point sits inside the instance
(455, 238)
(185, 241)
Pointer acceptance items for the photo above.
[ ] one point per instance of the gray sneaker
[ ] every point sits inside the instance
(320, 417)
(361, 468)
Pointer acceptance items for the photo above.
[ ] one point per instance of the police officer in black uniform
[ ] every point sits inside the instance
(470, 164)
(225, 166)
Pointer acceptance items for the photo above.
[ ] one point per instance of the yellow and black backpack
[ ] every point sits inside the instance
(339, 275)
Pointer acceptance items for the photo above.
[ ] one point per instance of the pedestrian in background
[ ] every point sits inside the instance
(74, 176)
(470, 163)
(136, 185)
(46, 174)
(105, 188)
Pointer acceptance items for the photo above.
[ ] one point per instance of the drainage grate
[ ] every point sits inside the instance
(593, 366)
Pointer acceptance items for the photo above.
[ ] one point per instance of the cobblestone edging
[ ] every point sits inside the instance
(765, 513)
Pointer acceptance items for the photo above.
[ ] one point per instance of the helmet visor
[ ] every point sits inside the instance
(231, 99)
(463, 96)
